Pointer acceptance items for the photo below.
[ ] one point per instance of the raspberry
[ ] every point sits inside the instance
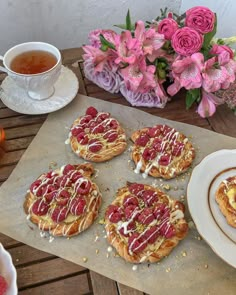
(177, 149)
(124, 231)
(85, 120)
(35, 185)
(131, 212)
(146, 216)
(40, 207)
(149, 154)
(92, 112)
(77, 206)
(102, 116)
(49, 197)
(63, 197)
(154, 131)
(59, 213)
(83, 186)
(136, 244)
(3, 285)
(130, 200)
(112, 124)
(46, 189)
(159, 145)
(142, 140)
(68, 168)
(168, 132)
(110, 135)
(65, 181)
(97, 129)
(152, 234)
(75, 176)
(136, 188)
(94, 145)
(114, 213)
(82, 138)
(161, 211)
(77, 130)
(164, 160)
(149, 197)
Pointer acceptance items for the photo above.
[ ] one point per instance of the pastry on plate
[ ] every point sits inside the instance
(96, 136)
(226, 199)
(65, 201)
(161, 151)
(144, 224)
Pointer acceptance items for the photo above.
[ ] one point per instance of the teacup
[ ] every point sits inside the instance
(38, 85)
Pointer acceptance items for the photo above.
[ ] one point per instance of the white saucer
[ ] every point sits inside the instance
(17, 99)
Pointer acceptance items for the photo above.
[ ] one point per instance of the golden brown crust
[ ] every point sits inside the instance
(155, 250)
(169, 146)
(226, 198)
(72, 224)
(110, 147)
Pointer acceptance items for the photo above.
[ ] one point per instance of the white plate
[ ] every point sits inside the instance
(8, 271)
(18, 100)
(205, 212)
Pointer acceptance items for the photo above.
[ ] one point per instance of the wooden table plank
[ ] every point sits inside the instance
(19, 132)
(8, 242)
(18, 143)
(125, 290)
(102, 285)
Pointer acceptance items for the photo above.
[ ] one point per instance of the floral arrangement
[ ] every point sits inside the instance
(150, 62)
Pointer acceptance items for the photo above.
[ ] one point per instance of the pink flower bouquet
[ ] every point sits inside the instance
(177, 49)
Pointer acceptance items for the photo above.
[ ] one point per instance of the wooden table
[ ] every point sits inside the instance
(42, 273)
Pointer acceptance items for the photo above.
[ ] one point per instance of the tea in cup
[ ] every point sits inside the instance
(34, 66)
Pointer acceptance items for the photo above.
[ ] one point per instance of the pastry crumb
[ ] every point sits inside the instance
(134, 267)
(108, 255)
(109, 249)
(101, 221)
(97, 251)
(167, 187)
(85, 259)
(184, 253)
(168, 269)
(206, 265)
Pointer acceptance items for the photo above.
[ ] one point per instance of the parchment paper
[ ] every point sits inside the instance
(192, 268)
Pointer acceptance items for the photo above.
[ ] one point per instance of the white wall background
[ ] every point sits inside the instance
(66, 23)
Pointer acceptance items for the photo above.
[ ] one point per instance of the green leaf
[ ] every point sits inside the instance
(123, 27)
(208, 37)
(192, 96)
(128, 22)
(106, 44)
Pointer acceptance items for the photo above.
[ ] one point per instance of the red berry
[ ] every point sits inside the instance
(159, 145)
(65, 181)
(82, 138)
(149, 154)
(136, 189)
(3, 285)
(77, 206)
(146, 216)
(102, 116)
(136, 243)
(40, 207)
(130, 200)
(142, 140)
(94, 145)
(168, 132)
(59, 213)
(114, 213)
(77, 130)
(154, 131)
(164, 160)
(126, 230)
(92, 112)
(110, 135)
(131, 212)
(85, 120)
(161, 211)
(83, 186)
(49, 197)
(149, 197)
(112, 124)
(75, 176)
(35, 185)
(97, 129)
(152, 234)
(46, 189)
(177, 149)
(63, 197)
(68, 168)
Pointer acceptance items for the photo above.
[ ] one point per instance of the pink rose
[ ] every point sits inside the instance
(167, 27)
(200, 18)
(186, 41)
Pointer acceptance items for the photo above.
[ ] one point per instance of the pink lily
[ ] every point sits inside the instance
(128, 48)
(98, 57)
(207, 106)
(94, 37)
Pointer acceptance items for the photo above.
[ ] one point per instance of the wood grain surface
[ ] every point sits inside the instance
(42, 273)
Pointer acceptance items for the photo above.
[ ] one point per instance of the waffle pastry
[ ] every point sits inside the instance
(65, 201)
(144, 224)
(161, 151)
(97, 137)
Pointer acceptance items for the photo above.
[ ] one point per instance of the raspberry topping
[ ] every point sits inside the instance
(49, 197)
(3, 285)
(59, 213)
(114, 213)
(130, 200)
(125, 230)
(136, 188)
(77, 130)
(40, 207)
(97, 129)
(142, 140)
(35, 185)
(152, 234)
(112, 124)
(85, 120)
(149, 154)
(149, 197)
(102, 116)
(110, 135)
(83, 186)
(94, 145)
(161, 211)
(68, 168)
(131, 212)
(177, 149)
(146, 216)
(154, 131)
(159, 145)
(164, 160)
(75, 176)
(168, 132)
(82, 138)
(92, 112)
(136, 243)
(77, 206)
(63, 197)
